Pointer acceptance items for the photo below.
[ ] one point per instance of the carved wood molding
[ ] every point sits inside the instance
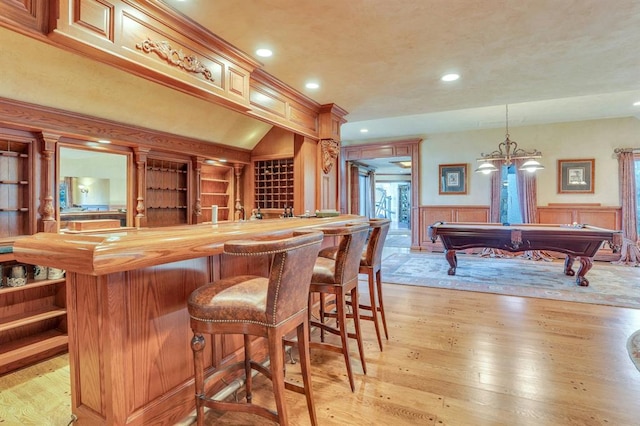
(177, 57)
(330, 149)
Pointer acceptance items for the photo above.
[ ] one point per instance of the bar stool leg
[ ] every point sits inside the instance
(305, 366)
(381, 302)
(277, 377)
(197, 345)
(248, 376)
(342, 317)
(374, 308)
(356, 320)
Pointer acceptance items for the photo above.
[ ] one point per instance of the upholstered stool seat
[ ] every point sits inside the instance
(371, 264)
(338, 276)
(268, 307)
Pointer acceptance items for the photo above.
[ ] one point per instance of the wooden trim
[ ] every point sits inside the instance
(389, 149)
(30, 117)
(112, 38)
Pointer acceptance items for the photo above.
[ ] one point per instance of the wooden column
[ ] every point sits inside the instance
(47, 209)
(330, 118)
(197, 184)
(237, 170)
(141, 166)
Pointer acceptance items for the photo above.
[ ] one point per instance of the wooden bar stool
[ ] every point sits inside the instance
(338, 276)
(370, 264)
(258, 306)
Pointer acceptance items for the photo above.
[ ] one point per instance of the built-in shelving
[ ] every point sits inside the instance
(33, 320)
(15, 187)
(215, 186)
(167, 192)
(273, 183)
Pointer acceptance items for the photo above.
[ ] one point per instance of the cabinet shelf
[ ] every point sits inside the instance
(26, 351)
(26, 318)
(207, 179)
(30, 285)
(22, 209)
(13, 154)
(157, 188)
(14, 182)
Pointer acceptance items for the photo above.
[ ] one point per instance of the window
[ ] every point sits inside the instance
(509, 201)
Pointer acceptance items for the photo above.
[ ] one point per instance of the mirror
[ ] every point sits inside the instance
(85, 193)
(91, 182)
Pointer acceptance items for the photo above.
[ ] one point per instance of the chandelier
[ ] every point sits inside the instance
(507, 152)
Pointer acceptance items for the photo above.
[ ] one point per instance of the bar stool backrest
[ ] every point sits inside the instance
(352, 241)
(373, 254)
(290, 272)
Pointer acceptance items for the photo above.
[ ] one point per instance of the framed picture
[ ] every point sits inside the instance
(453, 179)
(576, 176)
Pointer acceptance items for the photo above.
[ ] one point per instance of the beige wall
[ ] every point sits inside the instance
(585, 139)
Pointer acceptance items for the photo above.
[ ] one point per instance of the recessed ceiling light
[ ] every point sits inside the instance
(364, 130)
(450, 77)
(104, 141)
(264, 53)
(312, 85)
(636, 103)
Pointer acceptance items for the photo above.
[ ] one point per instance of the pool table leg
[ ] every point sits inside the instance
(585, 265)
(451, 257)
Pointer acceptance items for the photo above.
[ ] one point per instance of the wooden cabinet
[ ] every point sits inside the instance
(216, 187)
(167, 192)
(33, 319)
(273, 183)
(16, 181)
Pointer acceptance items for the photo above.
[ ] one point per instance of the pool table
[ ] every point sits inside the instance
(574, 240)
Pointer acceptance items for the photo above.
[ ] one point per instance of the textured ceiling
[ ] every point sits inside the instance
(381, 60)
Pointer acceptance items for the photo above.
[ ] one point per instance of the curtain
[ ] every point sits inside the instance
(494, 211)
(629, 254)
(528, 201)
(496, 188)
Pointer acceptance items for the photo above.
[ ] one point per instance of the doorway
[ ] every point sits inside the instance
(400, 203)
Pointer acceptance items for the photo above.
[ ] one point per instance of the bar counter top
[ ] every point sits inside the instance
(100, 253)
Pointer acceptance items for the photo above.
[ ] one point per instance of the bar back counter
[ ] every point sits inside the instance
(129, 336)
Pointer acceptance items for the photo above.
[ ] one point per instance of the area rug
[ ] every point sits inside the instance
(609, 284)
(633, 346)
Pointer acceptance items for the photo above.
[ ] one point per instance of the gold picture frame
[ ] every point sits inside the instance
(453, 179)
(576, 176)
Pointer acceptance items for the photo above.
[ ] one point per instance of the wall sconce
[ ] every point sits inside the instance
(83, 189)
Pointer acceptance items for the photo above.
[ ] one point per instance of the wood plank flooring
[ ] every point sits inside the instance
(454, 358)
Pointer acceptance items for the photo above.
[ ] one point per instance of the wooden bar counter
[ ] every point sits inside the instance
(129, 334)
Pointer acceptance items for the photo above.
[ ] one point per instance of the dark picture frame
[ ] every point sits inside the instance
(576, 176)
(453, 179)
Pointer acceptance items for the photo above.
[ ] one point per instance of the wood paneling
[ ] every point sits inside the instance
(609, 217)
(129, 340)
(432, 214)
(145, 38)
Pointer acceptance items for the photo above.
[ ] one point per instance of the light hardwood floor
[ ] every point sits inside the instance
(454, 358)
